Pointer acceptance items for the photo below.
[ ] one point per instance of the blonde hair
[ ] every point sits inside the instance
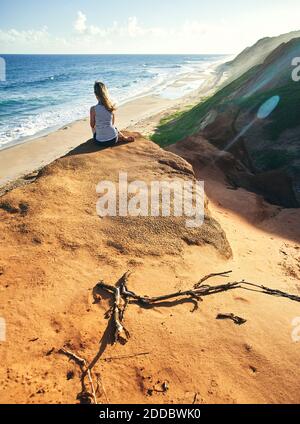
(102, 94)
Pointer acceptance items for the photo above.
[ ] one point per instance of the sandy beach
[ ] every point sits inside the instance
(141, 114)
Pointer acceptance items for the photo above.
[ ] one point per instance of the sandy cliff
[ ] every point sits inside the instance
(54, 249)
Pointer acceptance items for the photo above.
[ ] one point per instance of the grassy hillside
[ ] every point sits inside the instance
(269, 144)
(256, 54)
(243, 94)
(180, 125)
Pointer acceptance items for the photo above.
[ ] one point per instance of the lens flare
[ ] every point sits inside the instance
(268, 107)
(264, 111)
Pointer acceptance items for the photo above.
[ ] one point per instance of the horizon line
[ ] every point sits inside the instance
(118, 54)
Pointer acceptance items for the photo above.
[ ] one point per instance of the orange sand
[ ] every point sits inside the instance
(52, 256)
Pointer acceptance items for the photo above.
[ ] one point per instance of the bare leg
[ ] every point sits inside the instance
(123, 138)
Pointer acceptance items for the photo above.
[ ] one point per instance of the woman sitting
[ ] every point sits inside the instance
(102, 119)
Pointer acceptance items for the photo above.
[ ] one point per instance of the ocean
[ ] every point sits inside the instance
(45, 92)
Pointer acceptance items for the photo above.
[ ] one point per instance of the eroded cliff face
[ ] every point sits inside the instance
(267, 145)
(255, 119)
(55, 248)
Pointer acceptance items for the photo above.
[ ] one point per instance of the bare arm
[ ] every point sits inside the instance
(93, 119)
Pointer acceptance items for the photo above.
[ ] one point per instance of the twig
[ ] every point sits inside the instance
(197, 293)
(85, 371)
(79, 361)
(272, 292)
(98, 376)
(207, 277)
(195, 398)
(92, 385)
(112, 358)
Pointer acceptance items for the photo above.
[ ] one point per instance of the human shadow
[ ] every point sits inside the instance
(92, 146)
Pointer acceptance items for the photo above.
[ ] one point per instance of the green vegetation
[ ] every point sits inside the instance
(241, 99)
(287, 115)
(273, 143)
(182, 124)
(176, 127)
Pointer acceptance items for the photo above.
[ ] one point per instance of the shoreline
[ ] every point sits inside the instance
(139, 115)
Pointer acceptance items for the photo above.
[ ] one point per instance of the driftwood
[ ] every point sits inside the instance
(122, 297)
(237, 320)
(84, 396)
(117, 311)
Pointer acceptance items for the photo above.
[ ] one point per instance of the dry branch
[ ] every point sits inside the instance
(84, 371)
(119, 306)
(237, 320)
(122, 297)
(207, 277)
(134, 355)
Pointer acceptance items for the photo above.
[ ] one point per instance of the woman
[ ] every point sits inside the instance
(102, 119)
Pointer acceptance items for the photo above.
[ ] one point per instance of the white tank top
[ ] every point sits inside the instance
(105, 131)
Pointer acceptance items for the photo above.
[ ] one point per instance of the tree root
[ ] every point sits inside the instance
(122, 297)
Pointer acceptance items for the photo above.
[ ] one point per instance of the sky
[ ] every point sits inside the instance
(142, 26)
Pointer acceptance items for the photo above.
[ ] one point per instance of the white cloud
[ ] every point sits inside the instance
(132, 36)
(31, 41)
(80, 23)
(129, 36)
(94, 30)
(133, 28)
(13, 35)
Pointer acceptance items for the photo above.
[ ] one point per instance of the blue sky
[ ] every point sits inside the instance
(136, 26)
